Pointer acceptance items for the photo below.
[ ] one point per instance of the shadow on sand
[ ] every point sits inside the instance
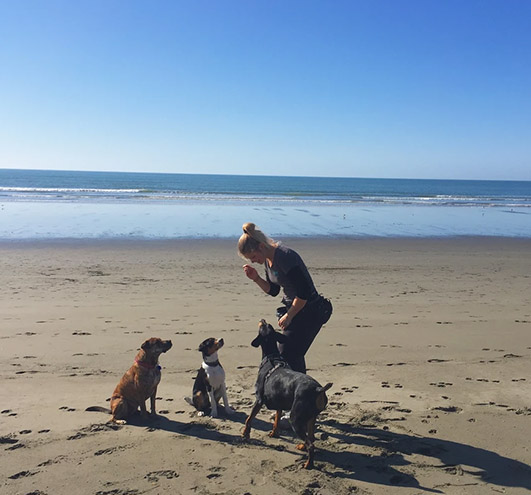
(202, 428)
(451, 457)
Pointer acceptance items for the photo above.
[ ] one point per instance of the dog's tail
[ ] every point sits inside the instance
(189, 400)
(321, 400)
(99, 409)
(325, 388)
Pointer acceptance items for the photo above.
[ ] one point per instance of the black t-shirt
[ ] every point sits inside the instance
(289, 272)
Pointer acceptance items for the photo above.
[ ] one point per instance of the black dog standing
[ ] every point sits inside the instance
(279, 388)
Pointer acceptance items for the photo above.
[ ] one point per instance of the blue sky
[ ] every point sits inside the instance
(373, 88)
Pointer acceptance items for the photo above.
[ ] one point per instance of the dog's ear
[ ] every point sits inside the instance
(256, 342)
(206, 344)
(280, 338)
(146, 345)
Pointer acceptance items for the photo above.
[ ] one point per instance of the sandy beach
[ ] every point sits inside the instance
(428, 349)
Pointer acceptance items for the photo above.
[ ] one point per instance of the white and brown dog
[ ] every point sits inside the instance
(209, 386)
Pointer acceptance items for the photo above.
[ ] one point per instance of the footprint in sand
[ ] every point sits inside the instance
(108, 451)
(441, 384)
(349, 390)
(452, 409)
(117, 491)
(17, 446)
(22, 474)
(8, 440)
(154, 476)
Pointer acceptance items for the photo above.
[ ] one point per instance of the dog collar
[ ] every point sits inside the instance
(148, 366)
(273, 358)
(277, 366)
(213, 363)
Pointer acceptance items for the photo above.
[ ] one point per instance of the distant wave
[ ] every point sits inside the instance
(103, 195)
(72, 190)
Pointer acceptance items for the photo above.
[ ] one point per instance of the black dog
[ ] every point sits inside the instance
(279, 388)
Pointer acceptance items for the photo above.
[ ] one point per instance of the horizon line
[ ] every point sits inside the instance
(261, 175)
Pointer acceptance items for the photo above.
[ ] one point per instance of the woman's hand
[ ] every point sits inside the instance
(284, 321)
(251, 272)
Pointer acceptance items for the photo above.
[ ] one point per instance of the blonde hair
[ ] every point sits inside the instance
(251, 239)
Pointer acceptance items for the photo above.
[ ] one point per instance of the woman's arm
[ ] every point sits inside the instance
(256, 278)
(297, 306)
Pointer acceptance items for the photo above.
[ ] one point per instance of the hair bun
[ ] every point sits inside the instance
(249, 228)
(252, 238)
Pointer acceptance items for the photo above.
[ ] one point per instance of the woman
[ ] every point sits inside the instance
(304, 311)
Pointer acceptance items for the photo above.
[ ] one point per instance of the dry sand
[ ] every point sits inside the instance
(428, 348)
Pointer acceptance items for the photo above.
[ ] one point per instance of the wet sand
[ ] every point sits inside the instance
(429, 350)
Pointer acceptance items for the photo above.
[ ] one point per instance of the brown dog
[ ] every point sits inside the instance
(138, 384)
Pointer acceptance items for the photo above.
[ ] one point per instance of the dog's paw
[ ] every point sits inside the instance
(201, 413)
(214, 414)
(118, 421)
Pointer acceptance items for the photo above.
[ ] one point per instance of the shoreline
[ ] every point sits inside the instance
(144, 241)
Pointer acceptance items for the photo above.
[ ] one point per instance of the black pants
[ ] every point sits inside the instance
(301, 332)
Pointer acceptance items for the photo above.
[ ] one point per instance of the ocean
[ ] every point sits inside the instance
(43, 204)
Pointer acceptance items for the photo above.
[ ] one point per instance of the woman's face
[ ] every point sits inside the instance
(256, 257)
